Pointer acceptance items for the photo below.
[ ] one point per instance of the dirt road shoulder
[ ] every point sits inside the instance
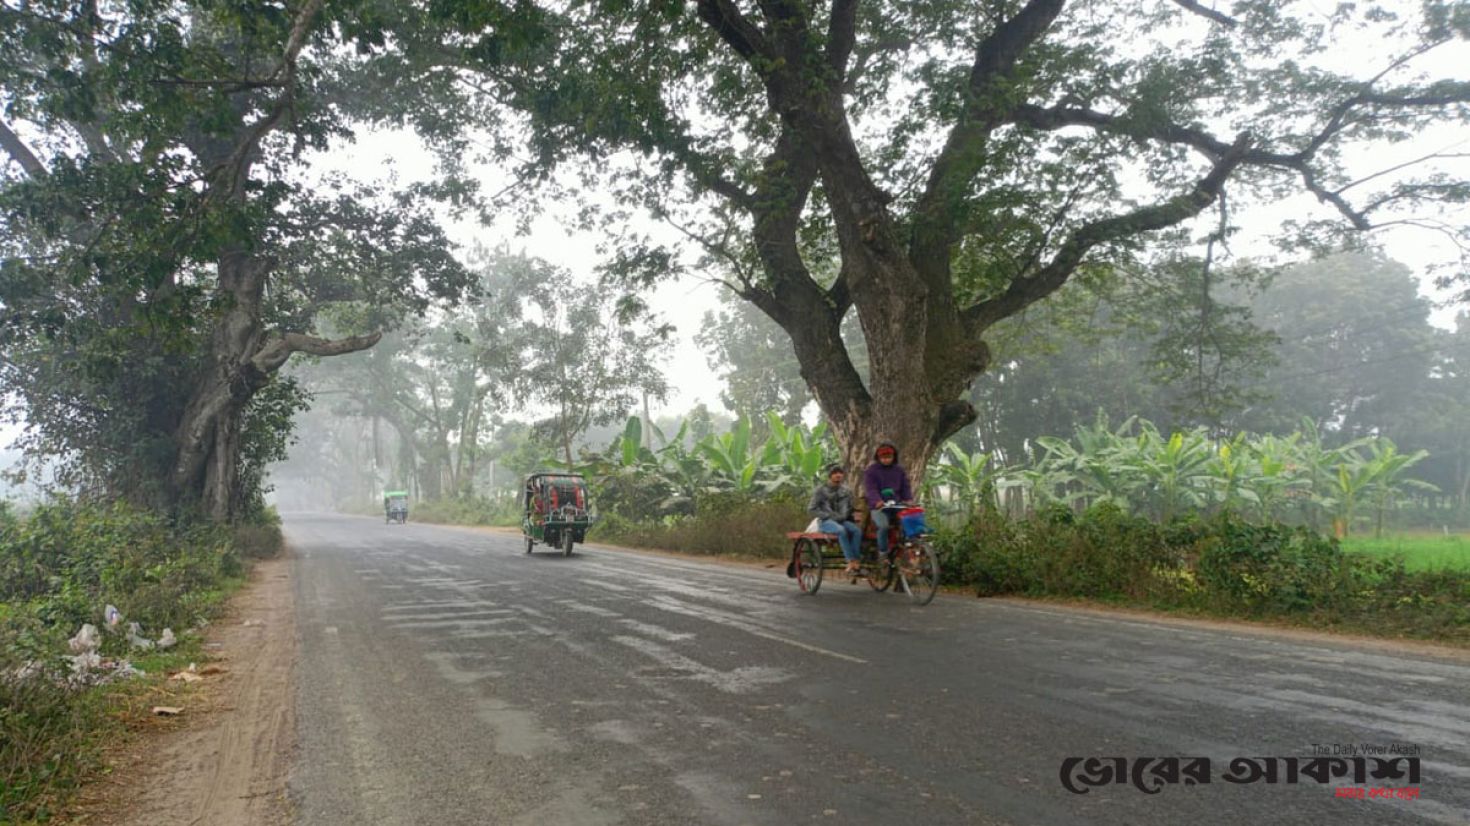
(227, 764)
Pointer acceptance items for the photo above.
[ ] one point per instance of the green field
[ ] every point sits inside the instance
(1420, 551)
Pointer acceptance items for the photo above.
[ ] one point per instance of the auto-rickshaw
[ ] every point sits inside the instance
(395, 506)
(556, 510)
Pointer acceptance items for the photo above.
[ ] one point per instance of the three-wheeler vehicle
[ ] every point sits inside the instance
(556, 510)
(395, 506)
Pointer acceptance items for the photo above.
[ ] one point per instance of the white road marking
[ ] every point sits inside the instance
(731, 621)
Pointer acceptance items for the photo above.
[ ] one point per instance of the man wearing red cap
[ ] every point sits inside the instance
(885, 481)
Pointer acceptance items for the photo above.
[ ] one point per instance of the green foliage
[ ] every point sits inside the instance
(1295, 478)
(1222, 565)
(59, 567)
(638, 482)
(728, 523)
(47, 742)
(583, 354)
(753, 356)
(69, 559)
(468, 510)
(156, 228)
(1267, 568)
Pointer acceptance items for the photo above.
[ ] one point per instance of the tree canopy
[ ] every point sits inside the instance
(164, 255)
(937, 167)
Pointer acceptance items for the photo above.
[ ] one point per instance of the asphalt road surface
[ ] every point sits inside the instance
(446, 677)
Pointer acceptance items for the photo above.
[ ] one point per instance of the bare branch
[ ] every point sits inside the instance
(1198, 8)
(22, 154)
(1209, 145)
(1023, 292)
(1405, 165)
(725, 18)
(281, 347)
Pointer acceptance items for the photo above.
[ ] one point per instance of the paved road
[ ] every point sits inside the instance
(448, 678)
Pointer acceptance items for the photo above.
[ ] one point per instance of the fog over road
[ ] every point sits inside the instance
(445, 677)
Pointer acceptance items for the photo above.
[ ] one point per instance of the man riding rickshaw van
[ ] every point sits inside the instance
(891, 544)
(395, 506)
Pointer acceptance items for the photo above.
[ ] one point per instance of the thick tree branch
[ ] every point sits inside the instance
(285, 73)
(841, 37)
(1205, 143)
(725, 18)
(22, 154)
(839, 295)
(279, 348)
(1198, 8)
(963, 155)
(1023, 292)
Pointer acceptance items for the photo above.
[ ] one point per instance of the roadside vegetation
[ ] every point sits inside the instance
(61, 565)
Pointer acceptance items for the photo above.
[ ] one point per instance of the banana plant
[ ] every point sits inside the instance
(1389, 483)
(1230, 469)
(967, 478)
(1175, 470)
(1277, 472)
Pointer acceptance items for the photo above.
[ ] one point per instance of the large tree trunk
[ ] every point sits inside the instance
(207, 467)
(243, 358)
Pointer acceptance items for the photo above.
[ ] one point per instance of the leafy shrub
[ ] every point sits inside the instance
(728, 523)
(58, 567)
(469, 510)
(1269, 567)
(1223, 564)
(259, 539)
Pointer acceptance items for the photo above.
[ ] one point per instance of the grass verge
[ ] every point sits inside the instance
(59, 567)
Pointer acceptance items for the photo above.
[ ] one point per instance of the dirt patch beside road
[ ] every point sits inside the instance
(227, 764)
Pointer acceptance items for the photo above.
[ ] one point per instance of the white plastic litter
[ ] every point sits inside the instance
(30, 670)
(814, 526)
(85, 640)
(85, 661)
(136, 638)
(126, 669)
(166, 640)
(112, 616)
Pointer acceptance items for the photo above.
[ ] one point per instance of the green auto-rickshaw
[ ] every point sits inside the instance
(395, 506)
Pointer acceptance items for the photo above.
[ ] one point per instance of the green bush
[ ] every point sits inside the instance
(469, 510)
(71, 559)
(1223, 565)
(1269, 568)
(728, 523)
(59, 567)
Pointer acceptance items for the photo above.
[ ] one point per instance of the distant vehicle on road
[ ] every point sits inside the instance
(395, 506)
(555, 510)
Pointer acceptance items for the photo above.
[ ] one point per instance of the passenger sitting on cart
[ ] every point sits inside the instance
(885, 481)
(832, 506)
